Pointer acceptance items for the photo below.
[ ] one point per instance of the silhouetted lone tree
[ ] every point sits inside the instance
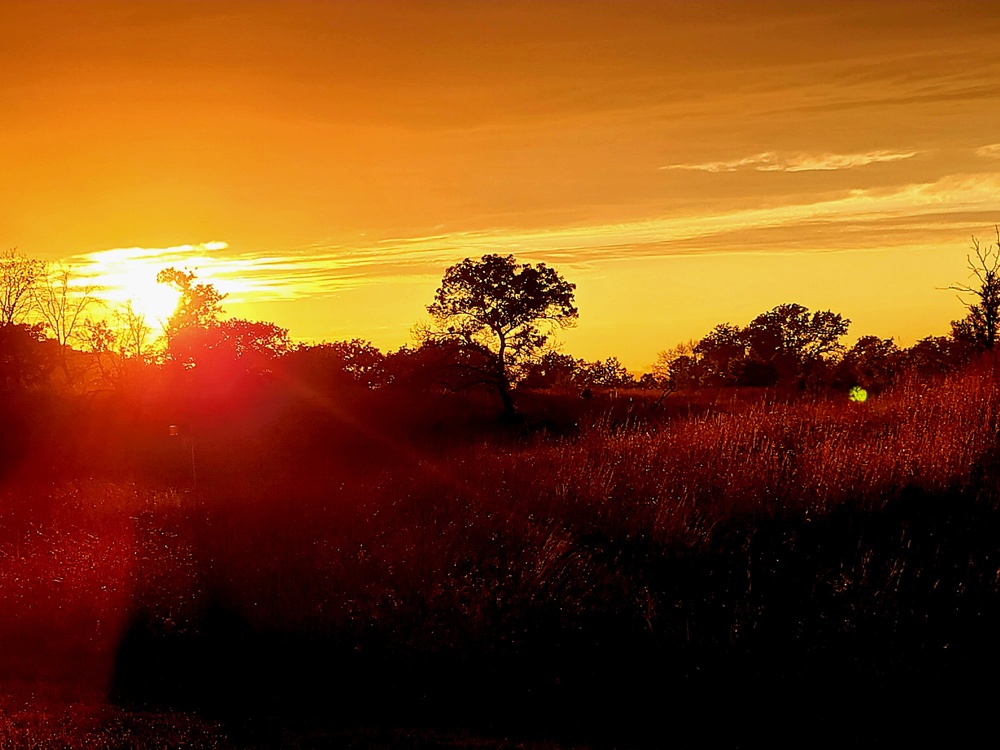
(498, 314)
(980, 325)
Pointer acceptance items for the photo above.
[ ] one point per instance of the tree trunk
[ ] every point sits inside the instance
(503, 388)
(503, 382)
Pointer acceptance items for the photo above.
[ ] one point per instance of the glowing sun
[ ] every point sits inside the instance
(135, 284)
(155, 301)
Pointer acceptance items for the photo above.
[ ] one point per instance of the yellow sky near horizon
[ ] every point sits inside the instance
(685, 164)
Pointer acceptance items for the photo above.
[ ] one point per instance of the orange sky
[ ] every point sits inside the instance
(685, 164)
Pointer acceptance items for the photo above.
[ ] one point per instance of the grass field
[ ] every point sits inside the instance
(811, 571)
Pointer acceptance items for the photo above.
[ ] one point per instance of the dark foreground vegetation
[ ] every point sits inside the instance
(713, 569)
(222, 540)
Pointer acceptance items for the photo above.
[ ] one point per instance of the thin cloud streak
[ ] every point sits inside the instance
(769, 161)
(855, 219)
(668, 236)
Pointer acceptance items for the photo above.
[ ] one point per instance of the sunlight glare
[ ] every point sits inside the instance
(138, 286)
(128, 275)
(157, 302)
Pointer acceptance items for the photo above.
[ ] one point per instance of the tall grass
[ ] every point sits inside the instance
(544, 576)
(676, 480)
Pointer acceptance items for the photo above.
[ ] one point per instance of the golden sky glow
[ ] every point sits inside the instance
(685, 164)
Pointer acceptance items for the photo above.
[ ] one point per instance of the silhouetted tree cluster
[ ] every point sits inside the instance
(490, 329)
(199, 305)
(786, 345)
(934, 355)
(122, 347)
(789, 346)
(197, 331)
(26, 358)
(334, 365)
(872, 363)
(557, 371)
(44, 313)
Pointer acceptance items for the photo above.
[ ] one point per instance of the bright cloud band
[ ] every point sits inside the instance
(774, 162)
(876, 218)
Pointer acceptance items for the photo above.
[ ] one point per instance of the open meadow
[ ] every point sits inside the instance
(469, 375)
(600, 573)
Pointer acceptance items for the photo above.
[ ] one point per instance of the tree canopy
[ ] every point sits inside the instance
(491, 324)
(197, 336)
(787, 341)
(199, 306)
(498, 314)
(785, 344)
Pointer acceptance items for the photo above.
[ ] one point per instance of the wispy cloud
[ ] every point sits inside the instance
(990, 151)
(944, 203)
(115, 269)
(858, 219)
(769, 161)
(119, 272)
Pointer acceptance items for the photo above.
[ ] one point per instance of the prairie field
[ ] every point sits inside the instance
(808, 569)
(520, 375)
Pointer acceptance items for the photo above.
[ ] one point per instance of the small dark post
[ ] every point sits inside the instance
(186, 431)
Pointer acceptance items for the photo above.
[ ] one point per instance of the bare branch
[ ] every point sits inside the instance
(982, 320)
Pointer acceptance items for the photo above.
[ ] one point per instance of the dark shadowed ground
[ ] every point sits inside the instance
(745, 572)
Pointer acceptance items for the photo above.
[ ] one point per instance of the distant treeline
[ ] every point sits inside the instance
(57, 336)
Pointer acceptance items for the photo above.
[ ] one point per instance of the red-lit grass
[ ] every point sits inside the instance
(31, 719)
(74, 558)
(541, 574)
